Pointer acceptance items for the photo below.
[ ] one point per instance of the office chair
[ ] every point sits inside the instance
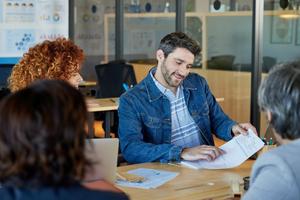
(111, 77)
(110, 80)
(5, 71)
(268, 63)
(221, 62)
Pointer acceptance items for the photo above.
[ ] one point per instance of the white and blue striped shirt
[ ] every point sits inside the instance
(185, 132)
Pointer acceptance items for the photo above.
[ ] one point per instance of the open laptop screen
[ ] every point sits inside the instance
(104, 153)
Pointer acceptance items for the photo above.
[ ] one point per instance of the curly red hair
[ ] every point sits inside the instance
(58, 59)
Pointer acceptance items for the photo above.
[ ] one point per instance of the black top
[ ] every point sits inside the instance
(4, 92)
(76, 192)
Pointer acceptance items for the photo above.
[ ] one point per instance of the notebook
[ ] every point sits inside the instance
(104, 152)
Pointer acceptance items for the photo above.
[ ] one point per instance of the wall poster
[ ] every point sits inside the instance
(24, 23)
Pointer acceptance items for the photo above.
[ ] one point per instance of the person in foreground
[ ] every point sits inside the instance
(42, 142)
(171, 114)
(275, 174)
(58, 59)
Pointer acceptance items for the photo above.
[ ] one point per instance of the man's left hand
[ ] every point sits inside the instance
(242, 128)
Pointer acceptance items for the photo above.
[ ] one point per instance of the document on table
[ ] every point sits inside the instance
(237, 150)
(153, 178)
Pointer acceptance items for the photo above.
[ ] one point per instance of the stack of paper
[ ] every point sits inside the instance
(153, 178)
(238, 150)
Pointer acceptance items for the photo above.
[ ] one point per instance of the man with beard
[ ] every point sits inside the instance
(171, 114)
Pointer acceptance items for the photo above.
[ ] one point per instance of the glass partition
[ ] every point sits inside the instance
(91, 33)
(281, 40)
(224, 32)
(145, 23)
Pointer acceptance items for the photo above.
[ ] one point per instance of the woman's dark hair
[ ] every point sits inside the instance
(42, 132)
(279, 93)
(178, 40)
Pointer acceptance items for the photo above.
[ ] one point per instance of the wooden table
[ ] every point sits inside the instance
(87, 83)
(88, 88)
(106, 105)
(191, 184)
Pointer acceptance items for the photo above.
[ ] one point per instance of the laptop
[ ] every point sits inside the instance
(104, 153)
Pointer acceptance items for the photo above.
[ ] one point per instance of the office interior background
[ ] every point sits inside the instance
(240, 39)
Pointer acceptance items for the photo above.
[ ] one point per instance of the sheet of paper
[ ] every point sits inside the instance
(153, 178)
(238, 150)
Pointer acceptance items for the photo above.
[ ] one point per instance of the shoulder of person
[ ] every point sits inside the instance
(195, 76)
(274, 155)
(81, 192)
(194, 80)
(136, 90)
(99, 195)
(136, 94)
(276, 159)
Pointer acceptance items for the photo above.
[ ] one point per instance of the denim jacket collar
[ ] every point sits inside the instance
(154, 93)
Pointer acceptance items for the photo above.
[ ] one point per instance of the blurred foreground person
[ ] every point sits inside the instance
(275, 174)
(42, 143)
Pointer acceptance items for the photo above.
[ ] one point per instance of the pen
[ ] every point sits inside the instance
(174, 164)
(125, 86)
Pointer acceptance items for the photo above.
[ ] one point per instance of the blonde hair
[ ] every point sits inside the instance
(58, 59)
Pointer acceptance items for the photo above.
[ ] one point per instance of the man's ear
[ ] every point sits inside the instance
(160, 55)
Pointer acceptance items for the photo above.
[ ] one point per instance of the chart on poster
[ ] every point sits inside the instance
(24, 23)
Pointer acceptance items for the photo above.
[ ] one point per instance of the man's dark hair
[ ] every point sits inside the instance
(178, 40)
(42, 132)
(279, 93)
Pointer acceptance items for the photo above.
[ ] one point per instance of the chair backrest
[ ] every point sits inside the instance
(222, 62)
(104, 154)
(268, 63)
(5, 71)
(111, 77)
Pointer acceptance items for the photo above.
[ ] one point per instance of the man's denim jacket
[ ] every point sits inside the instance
(145, 120)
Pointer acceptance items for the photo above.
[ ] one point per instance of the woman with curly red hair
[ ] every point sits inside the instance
(59, 59)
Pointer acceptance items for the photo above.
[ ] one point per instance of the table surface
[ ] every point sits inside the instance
(110, 104)
(103, 104)
(87, 83)
(190, 184)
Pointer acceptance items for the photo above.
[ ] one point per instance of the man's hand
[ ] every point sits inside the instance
(202, 152)
(242, 128)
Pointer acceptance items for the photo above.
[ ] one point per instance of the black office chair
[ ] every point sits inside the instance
(268, 63)
(111, 77)
(221, 62)
(110, 80)
(5, 71)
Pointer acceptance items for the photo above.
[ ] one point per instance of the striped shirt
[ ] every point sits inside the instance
(185, 132)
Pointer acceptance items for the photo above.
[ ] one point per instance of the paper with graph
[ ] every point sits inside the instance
(238, 150)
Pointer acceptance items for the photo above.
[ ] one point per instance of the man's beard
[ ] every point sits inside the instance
(168, 75)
